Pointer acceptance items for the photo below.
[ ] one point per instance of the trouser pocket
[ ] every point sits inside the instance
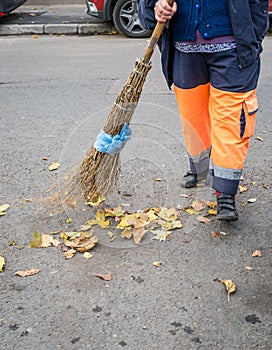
(248, 116)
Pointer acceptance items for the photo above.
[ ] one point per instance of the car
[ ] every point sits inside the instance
(7, 6)
(123, 13)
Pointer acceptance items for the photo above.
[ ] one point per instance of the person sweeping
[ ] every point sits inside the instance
(210, 51)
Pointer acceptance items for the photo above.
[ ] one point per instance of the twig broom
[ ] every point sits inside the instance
(99, 169)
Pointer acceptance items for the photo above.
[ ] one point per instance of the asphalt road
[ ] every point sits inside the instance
(55, 93)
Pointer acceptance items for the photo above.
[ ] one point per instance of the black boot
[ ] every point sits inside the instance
(190, 180)
(226, 210)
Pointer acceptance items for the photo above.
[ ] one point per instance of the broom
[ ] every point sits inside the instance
(99, 168)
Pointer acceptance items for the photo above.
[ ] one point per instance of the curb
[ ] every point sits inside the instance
(57, 29)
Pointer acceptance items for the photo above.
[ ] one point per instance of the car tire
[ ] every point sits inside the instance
(126, 20)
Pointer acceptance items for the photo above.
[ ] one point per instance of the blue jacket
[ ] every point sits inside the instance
(249, 22)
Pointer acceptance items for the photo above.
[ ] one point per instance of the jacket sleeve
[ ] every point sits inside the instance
(146, 13)
(260, 18)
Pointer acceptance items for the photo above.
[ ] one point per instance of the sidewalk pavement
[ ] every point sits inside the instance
(53, 19)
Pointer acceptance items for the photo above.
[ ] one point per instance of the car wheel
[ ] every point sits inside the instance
(126, 20)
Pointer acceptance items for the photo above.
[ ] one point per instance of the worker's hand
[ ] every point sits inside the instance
(163, 11)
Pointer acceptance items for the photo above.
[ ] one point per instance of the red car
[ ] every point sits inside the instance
(124, 15)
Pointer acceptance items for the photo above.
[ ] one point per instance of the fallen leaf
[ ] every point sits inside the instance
(192, 211)
(215, 234)
(242, 188)
(170, 225)
(87, 255)
(203, 219)
(160, 235)
(158, 179)
(249, 268)
(157, 263)
(48, 241)
(70, 203)
(184, 195)
(80, 241)
(3, 209)
(212, 212)
(251, 200)
(37, 240)
(35, 36)
(198, 205)
(230, 287)
(69, 254)
(258, 138)
(254, 183)
(97, 203)
(69, 220)
(257, 253)
(25, 273)
(212, 205)
(2, 263)
(32, 14)
(53, 166)
(105, 277)
(168, 214)
(100, 219)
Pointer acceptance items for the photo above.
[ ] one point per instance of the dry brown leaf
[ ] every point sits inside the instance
(48, 241)
(203, 219)
(257, 253)
(230, 287)
(198, 205)
(69, 253)
(105, 277)
(215, 234)
(29, 272)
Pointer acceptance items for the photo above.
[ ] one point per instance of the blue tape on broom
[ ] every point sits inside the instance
(107, 143)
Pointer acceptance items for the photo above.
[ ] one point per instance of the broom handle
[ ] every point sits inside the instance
(154, 38)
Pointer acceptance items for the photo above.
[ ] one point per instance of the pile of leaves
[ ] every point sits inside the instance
(159, 221)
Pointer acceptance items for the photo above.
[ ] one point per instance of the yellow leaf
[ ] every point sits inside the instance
(123, 223)
(257, 253)
(126, 233)
(97, 202)
(230, 287)
(212, 212)
(69, 220)
(87, 255)
(4, 207)
(115, 212)
(151, 214)
(157, 263)
(168, 214)
(242, 188)
(100, 219)
(2, 264)
(53, 166)
(37, 240)
(170, 225)
(212, 205)
(25, 273)
(35, 36)
(192, 211)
